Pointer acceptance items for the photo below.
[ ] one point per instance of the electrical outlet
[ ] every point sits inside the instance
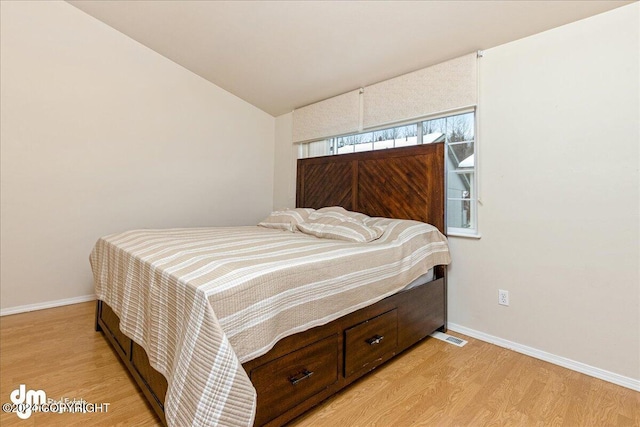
(503, 297)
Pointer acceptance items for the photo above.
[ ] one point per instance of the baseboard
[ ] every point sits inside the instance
(583, 368)
(44, 305)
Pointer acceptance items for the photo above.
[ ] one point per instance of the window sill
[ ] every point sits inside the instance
(472, 235)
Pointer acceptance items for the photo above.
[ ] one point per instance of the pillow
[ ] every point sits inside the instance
(286, 219)
(340, 212)
(338, 223)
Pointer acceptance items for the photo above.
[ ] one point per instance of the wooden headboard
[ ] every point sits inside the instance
(405, 183)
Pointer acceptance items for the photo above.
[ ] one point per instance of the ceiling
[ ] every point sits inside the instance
(280, 55)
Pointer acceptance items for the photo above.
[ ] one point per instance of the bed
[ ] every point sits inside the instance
(291, 368)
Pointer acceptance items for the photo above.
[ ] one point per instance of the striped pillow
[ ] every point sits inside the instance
(286, 219)
(342, 213)
(340, 224)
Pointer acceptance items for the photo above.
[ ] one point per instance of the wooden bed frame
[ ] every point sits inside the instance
(306, 368)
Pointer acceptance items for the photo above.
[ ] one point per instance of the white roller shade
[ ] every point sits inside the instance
(442, 87)
(334, 116)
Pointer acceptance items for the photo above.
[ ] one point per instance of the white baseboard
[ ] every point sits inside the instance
(43, 305)
(583, 368)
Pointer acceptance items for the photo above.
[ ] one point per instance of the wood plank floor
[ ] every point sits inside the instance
(432, 384)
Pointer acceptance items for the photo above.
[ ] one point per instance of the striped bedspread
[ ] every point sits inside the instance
(202, 301)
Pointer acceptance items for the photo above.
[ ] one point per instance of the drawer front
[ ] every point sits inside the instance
(113, 324)
(287, 381)
(154, 379)
(367, 343)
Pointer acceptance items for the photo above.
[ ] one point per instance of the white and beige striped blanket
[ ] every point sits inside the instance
(203, 301)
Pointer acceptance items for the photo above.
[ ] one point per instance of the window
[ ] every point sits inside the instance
(458, 133)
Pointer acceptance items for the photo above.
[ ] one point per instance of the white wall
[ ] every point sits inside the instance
(559, 137)
(100, 134)
(286, 155)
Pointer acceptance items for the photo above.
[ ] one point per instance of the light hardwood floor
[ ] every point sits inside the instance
(432, 384)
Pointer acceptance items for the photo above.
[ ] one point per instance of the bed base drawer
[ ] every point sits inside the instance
(285, 382)
(369, 342)
(154, 379)
(152, 384)
(112, 323)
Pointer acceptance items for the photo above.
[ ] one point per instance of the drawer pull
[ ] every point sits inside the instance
(375, 340)
(295, 379)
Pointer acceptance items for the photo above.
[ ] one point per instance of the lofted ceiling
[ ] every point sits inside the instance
(279, 55)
